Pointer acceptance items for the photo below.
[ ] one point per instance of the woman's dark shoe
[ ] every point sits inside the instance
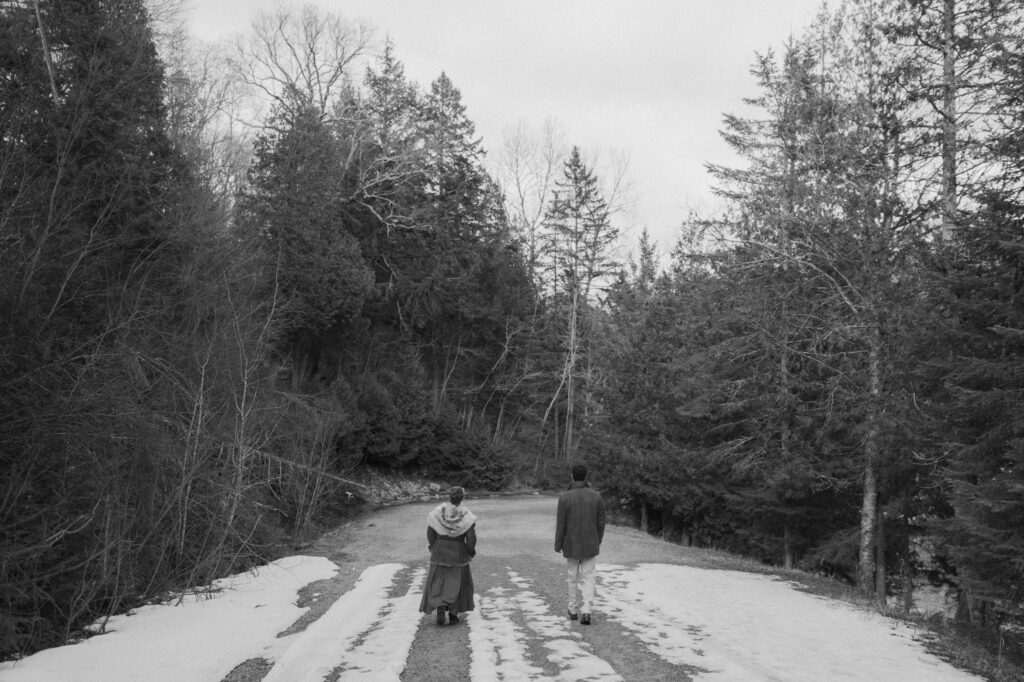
(440, 614)
(573, 616)
(452, 618)
(584, 619)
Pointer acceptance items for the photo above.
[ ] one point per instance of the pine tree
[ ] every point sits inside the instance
(579, 237)
(985, 390)
(437, 260)
(390, 103)
(455, 178)
(822, 205)
(949, 45)
(387, 172)
(578, 232)
(293, 211)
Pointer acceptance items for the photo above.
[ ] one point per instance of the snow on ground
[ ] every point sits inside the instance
(364, 615)
(741, 626)
(201, 638)
(738, 627)
(499, 645)
(388, 639)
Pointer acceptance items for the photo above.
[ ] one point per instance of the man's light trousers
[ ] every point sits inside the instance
(581, 574)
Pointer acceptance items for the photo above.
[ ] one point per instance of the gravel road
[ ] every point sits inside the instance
(519, 630)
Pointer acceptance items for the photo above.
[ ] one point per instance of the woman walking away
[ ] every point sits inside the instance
(451, 538)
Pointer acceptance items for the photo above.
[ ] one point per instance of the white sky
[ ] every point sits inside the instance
(650, 78)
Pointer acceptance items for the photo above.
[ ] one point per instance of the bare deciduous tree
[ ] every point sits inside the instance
(299, 58)
(527, 167)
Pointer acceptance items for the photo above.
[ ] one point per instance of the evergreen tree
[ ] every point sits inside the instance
(390, 102)
(102, 308)
(982, 378)
(454, 175)
(312, 260)
(822, 207)
(578, 237)
(949, 45)
(453, 264)
(578, 232)
(388, 171)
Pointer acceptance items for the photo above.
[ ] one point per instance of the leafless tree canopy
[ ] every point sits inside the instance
(299, 57)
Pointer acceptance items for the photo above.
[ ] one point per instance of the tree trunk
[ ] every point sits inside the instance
(644, 521)
(570, 414)
(554, 429)
(784, 391)
(880, 572)
(869, 504)
(47, 57)
(435, 383)
(497, 422)
(570, 392)
(868, 519)
(906, 566)
(787, 543)
(949, 122)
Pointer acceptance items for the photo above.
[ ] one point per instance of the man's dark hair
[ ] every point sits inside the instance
(579, 472)
(455, 495)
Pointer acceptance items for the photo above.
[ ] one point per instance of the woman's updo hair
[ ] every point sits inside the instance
(456, 494)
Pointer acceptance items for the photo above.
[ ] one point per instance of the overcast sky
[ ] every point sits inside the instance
(650, 78)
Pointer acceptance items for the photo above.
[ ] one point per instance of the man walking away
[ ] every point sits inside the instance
(578, 536)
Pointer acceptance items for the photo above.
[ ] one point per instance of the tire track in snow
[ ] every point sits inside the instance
(366, 634)
(500, 646)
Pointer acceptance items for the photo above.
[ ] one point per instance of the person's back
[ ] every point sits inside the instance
(451, 540)
(579, 531)
(580, 522)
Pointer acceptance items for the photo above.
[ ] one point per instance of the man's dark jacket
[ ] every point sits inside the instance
(580, 527)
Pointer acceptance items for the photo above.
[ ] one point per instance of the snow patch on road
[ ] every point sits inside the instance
(365, 632)
(743, 626)
(385, 651)
(727, 626)
(499, 650)
(199, 637)
(677, 640)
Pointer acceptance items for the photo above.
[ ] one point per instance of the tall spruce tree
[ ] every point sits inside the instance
(388, 168)
(293, 211)
(949, 45)
(823, 204)
(985, 389)
(455, 249)
(579, 237)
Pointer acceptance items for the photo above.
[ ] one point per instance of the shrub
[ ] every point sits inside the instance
(464, 458)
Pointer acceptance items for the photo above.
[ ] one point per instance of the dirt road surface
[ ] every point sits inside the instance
(519, 630)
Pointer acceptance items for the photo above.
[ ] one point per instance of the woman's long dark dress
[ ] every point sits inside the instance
(449, 581)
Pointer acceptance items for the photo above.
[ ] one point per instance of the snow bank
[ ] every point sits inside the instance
(740, 626)
(201, 638)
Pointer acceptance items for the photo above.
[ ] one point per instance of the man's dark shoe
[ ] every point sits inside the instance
(573, 616)
(585, 619)
(452, 618)
(440, 614)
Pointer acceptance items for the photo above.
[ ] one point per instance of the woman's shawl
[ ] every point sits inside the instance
(450, 520)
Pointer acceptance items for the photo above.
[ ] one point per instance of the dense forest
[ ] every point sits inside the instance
(236, 276)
